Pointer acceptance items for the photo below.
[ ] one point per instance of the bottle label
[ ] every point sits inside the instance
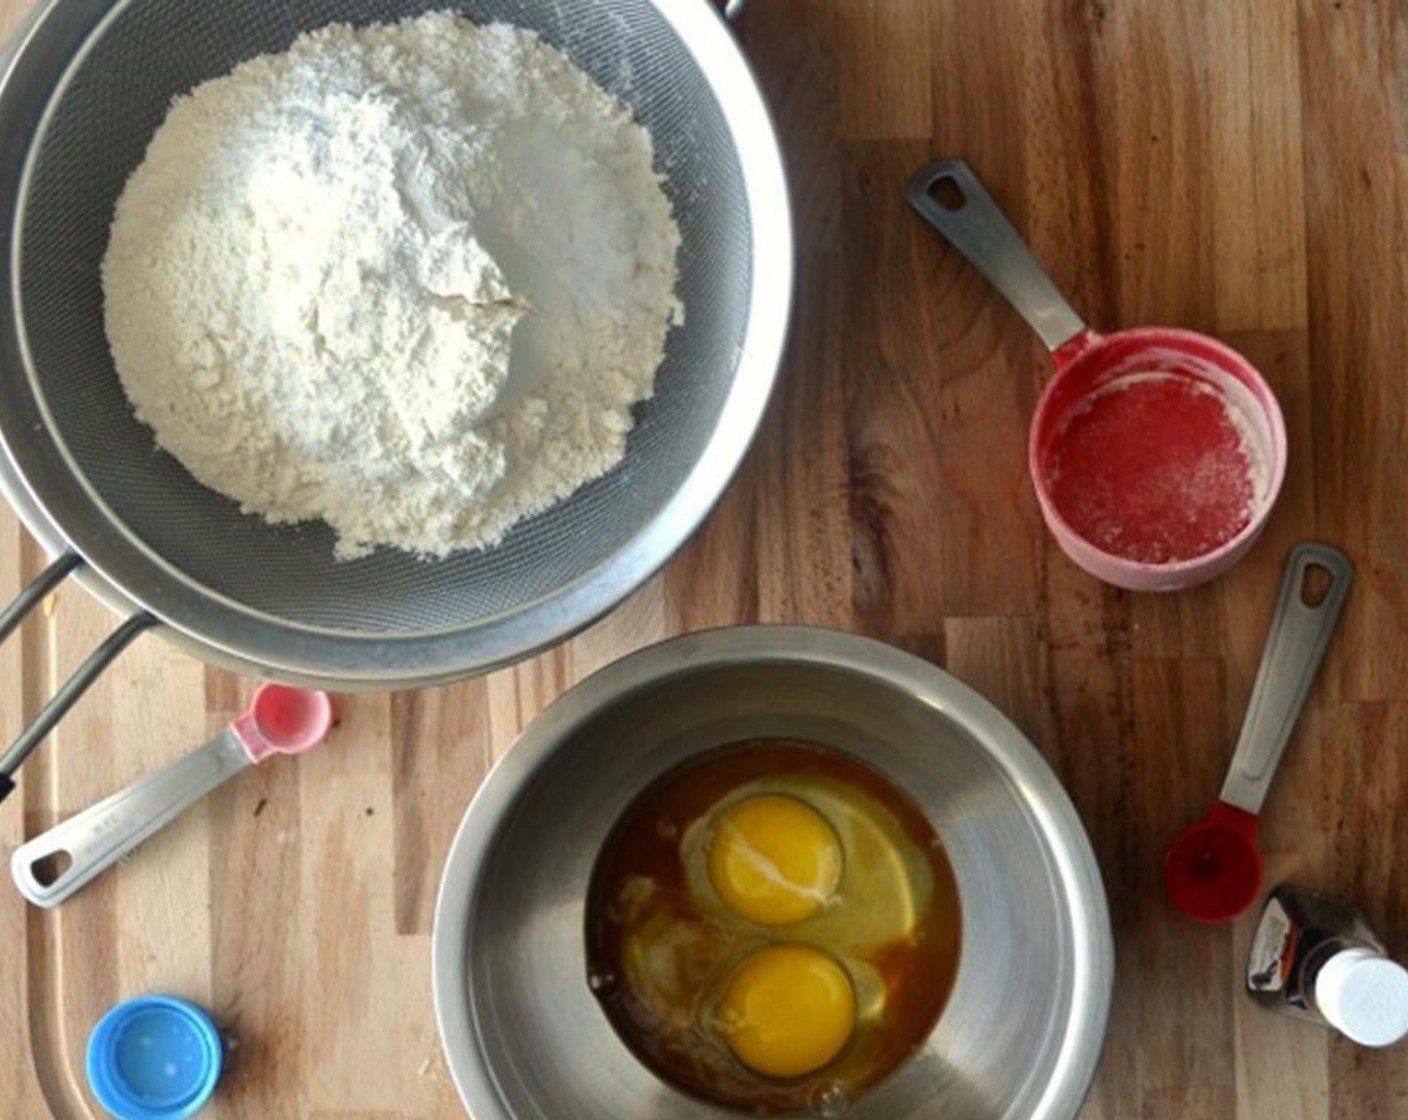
(1273, 950)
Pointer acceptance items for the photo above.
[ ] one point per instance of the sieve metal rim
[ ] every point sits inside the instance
(128, 575)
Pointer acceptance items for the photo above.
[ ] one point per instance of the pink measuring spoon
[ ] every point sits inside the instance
(1213, 870)
(58, 863)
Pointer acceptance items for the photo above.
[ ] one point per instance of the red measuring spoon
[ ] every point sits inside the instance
(1156, 454)
(1213, 870)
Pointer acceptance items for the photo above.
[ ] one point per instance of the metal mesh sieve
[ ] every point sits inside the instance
(276, 596)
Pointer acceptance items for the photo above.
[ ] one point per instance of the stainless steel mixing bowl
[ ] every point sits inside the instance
(526, 1039)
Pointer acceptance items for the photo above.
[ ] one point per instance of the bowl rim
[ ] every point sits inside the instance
(1071, 852)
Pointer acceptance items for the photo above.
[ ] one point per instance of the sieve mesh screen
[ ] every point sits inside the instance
(148, 52)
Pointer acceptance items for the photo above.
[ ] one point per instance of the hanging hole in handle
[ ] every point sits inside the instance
(48, 870)
(1315, 584)
(947, 193)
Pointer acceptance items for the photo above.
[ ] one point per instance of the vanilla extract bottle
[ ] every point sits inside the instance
(1315, 957)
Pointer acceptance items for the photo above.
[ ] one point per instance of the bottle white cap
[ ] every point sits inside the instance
(1364, 996)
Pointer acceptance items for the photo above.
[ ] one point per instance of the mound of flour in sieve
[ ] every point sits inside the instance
(408, 279)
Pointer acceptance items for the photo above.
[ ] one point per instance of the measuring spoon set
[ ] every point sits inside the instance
(1213, 870)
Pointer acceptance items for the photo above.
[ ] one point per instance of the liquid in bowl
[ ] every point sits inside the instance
(679, 946)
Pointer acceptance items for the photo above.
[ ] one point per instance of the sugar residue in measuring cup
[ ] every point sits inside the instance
(1156, 467)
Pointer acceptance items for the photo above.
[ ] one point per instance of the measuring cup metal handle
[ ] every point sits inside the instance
(98, 837)
(979, 230)
(1300, 633)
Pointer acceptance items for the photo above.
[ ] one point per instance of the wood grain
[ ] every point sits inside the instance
(1235, 166)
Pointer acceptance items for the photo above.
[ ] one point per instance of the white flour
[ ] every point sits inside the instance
(332, 262)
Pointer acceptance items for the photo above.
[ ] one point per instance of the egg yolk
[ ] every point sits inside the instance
(774, 860)
(788, 1010)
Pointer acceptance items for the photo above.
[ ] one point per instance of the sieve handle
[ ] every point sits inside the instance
(33, 594)
(77, 684)
(1300, 633)
(975, 225)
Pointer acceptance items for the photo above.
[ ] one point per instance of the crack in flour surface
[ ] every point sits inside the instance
(408, 279)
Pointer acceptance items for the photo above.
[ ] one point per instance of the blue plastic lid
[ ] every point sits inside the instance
(154, 1058)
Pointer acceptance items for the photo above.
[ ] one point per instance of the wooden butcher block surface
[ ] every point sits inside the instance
(1239, 167)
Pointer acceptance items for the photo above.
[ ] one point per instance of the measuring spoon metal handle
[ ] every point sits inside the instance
(979, 230)
(99, 836)
(1296, 644)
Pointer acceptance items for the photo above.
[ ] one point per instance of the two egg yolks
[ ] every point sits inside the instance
(789, 1008)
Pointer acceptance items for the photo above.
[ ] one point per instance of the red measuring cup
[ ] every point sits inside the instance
(1213, 870)
(1156, 454)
